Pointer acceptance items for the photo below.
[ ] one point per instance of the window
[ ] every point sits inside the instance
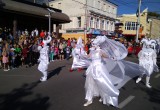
(79, 21)
(91, 22)
(97, 24)
(99, 5)
(111, 26)
(130, 25)
(102, 25)
(109, 9)
(59, 5)
(107, 25)
(104, 7)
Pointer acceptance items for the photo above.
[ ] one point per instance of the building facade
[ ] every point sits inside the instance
(149, 26)
(88, 17)
(17, 15)
(153, 28)
(129, 27)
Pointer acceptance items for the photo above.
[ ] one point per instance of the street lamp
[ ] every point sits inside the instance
(49, 18)
(85, 27)
(150, 30)
(138, 21)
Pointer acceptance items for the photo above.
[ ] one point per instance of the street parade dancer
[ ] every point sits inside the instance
(43, 59)
(78, 62)
(148, 59)
(107, 71)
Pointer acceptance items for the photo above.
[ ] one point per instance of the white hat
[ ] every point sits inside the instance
(12, 49)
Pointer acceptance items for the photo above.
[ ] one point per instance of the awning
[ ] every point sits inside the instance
(18, 7)
(118, 24)
(99, 14)
(132, 35)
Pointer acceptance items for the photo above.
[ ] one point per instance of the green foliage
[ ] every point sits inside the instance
(154, 14)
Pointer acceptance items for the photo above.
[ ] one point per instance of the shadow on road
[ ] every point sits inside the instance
(154, 94)
(55, 72)
(15, 99)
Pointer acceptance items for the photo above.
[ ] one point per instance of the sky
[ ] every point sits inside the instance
(130, 6)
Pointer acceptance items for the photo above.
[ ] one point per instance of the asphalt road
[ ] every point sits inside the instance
(20, 89)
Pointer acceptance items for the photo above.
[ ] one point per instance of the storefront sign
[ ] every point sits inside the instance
(95, 31)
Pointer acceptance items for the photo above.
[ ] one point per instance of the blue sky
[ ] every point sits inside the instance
(130, 6)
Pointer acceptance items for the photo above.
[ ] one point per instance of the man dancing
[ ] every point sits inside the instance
(43, 59)
(147, 59)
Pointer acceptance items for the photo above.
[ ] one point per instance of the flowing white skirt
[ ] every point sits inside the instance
(79, 63)
(98, 83)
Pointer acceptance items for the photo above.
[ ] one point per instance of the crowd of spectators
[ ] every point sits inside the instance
(22, 49)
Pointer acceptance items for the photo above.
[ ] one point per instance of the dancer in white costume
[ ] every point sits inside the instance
(148, 59)
(43, 59)
(76, 53)
(107, 71)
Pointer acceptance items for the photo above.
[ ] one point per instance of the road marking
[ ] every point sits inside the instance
(157, 76)
(125, 102)
(20, 75)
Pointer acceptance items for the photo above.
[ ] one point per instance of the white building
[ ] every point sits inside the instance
(97, 16)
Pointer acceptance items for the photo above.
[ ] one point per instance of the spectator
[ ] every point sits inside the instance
(42, 34)
(35, 52)
(69, 42)
(56, 52)
(68, 51)
(5, 59)
(18, 57)
(12, 56)
(24, 55)
(51, 52)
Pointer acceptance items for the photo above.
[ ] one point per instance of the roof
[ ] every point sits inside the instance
(99, 14)
(29, 9)
(111, 2)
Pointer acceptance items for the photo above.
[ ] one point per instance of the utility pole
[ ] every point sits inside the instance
(138, 21)
(85, 27)
(49, 16)
(150, 33)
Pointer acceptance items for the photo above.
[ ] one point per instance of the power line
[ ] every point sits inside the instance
(94, 7)
(125, 4)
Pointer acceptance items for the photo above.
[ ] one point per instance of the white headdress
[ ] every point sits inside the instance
(144, 42)
(148, 42)
(47, 41)
(112, 48)
(44, 43)
(79, 43)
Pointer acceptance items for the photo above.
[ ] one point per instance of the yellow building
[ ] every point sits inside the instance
(153, 28)
(129, 27)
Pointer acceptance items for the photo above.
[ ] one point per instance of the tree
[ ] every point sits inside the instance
(154, 14)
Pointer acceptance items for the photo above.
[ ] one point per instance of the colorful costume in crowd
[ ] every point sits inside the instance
(43, 59)
(107, 72)
(148, 59)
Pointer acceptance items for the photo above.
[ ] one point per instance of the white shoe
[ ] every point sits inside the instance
(5, 70)
(43, 78)
(87, 103)
(100, 100)
(148, 85)
(138, 80)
